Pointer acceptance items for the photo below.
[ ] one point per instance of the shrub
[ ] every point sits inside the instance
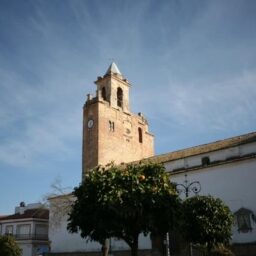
(9, 247)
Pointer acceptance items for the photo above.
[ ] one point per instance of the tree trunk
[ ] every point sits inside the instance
(209, 248)
(105, 247)
(134, 247)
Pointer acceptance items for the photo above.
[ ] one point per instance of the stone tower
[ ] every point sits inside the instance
(110, 131)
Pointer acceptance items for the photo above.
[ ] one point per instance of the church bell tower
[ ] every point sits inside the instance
(110, 131)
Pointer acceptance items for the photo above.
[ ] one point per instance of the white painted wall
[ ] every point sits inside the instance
(219, 155)
(234, 183)
(26, 249)
(62, 241)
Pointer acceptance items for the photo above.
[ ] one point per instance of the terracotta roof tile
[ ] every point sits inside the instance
(205, 148)
(30, 213)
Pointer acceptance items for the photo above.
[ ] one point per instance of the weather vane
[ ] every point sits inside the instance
(112, 59)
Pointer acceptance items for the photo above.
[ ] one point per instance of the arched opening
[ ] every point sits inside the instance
(103, 93)
(119, 97)
(140, 135)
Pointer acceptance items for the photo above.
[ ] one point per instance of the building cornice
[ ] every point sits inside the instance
(212, 164)
(205, 148)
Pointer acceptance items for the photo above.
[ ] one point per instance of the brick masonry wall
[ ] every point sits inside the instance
(115, 133)
(122, 144)
(101, 144)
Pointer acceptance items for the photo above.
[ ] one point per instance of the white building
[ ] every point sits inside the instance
(225, 169)
(29, 226)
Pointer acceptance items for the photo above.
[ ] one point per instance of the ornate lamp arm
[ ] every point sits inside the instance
(182, 189)
(187, 187)
(195, 187)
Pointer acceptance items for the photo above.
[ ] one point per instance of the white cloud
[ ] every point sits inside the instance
(39, 120)
(41, 137)
(42, 118)
(228, 104)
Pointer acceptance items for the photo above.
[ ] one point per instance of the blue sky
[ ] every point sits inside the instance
(192, 65)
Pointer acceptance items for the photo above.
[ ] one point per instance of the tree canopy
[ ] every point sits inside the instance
(207, 221)
(9, 247)
(123, 202)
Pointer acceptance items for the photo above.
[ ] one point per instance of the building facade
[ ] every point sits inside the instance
(224, 169)
(29, 226)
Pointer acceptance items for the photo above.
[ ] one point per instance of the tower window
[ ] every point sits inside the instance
(119, 97)
(111, 126)
(140, 135)
(103, 93)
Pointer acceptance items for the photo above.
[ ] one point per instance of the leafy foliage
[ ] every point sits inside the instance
(207, 221)
(9, 247)
(124, 202)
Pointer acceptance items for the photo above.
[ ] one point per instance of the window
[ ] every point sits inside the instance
(119, 97)
(9, 229)
(41, 231)
(140, 135)
(243, 220)
(111, 126)
(103, 93)
(23, 231)
(205, 161)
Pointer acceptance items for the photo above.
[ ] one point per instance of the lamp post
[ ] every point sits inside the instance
(167, 244)
(188, 187)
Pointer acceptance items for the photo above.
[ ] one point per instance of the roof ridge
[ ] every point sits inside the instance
(205, 148)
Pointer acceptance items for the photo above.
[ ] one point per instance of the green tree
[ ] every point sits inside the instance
(9, 247)
(123, 202)
(207, 221)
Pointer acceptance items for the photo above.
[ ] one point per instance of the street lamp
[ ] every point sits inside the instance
(186, 188)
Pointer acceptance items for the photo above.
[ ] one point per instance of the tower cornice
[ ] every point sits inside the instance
(112, 76)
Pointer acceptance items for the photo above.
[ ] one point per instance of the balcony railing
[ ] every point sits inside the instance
(30, 236)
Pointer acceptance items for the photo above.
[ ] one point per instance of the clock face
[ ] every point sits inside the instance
(90, 123)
